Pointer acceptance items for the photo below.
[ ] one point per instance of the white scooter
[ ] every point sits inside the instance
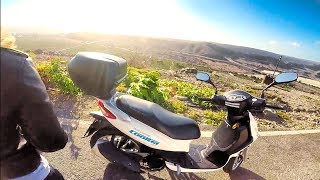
(141, 135)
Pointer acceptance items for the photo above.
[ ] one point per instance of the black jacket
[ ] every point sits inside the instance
(25, 103)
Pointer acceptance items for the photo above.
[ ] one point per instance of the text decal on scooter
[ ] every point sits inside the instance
(144, 137)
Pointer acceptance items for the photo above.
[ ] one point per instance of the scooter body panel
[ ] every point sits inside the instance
(178, 168)
(154, 139)
(243, 151)
(253, 127)
(142, 132)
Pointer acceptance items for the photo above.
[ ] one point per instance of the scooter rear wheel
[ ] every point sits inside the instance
(233, 164)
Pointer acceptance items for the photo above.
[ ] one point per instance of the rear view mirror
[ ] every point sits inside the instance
(285, 77)
(203, 77)
(206, 78)
(280, 79)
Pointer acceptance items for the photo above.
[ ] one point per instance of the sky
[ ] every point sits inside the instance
(288, 27)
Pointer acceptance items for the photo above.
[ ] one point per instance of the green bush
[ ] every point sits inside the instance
(214, 118)
(194, 115)
(248, 77)
(135, 74)
(286, 87)
(144, 84)
(177, 106)
(192, 91)
(284, 116)
(52, 73)
(250, 90)
(122, 88)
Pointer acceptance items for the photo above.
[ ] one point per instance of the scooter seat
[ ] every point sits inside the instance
(153, 115)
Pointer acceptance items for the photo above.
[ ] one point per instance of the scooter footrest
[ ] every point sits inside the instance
(196, 159)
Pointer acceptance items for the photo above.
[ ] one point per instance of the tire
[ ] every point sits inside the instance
(233, 164)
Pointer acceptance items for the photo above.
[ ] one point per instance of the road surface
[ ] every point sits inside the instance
(274, 157)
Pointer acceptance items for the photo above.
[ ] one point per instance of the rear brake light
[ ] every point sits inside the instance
(105, 111)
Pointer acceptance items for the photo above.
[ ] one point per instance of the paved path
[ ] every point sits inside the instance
(271, 157)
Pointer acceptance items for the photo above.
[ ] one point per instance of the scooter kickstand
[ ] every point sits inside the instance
(178, 169)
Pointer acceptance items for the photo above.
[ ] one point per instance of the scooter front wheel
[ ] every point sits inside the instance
(233, 164)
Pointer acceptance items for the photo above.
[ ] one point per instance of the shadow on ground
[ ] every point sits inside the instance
(183, 176)
(69, 126)
(244, 174)
(270, 115)
(117, 172)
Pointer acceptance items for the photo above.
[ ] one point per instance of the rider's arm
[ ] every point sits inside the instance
(39, 124)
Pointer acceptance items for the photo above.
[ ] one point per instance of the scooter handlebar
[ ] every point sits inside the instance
(216, 99)
(274, 106)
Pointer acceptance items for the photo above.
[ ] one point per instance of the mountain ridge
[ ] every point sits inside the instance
(204, 48)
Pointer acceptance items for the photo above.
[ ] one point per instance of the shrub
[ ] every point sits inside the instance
(194, 115)
(135, 74)
(286, 87)
(214, 118)
(284, 116)
(192, 91)
(52, 73)
(177, 106)
(250, 90)
(147, 86)
(122, 88)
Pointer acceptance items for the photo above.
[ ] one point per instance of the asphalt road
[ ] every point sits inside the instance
(276, 157)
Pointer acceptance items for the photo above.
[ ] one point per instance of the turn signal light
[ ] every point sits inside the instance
(105, 111)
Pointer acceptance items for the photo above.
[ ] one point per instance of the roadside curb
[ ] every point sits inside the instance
(272, 133)
(281, 133)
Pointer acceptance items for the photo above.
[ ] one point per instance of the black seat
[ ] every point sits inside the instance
(151, 114)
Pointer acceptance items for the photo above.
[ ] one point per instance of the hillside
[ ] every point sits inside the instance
(208, 49)
(192, 52)
(195, 52)
(171, 64)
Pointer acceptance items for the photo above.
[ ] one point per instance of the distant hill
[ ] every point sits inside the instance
(183, 50)
(247, 50)
(205, 49)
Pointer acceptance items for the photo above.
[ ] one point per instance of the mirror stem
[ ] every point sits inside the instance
(215, 88)
(277, 66)
(262, 93)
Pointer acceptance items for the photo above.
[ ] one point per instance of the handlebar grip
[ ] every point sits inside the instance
(274, 106)
(219, 100)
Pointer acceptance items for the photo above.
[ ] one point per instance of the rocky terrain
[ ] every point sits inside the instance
(302, 104)
(179, 60)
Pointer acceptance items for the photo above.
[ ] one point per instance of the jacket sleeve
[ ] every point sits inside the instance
(39, 124)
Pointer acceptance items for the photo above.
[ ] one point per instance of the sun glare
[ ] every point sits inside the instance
(141, 17)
